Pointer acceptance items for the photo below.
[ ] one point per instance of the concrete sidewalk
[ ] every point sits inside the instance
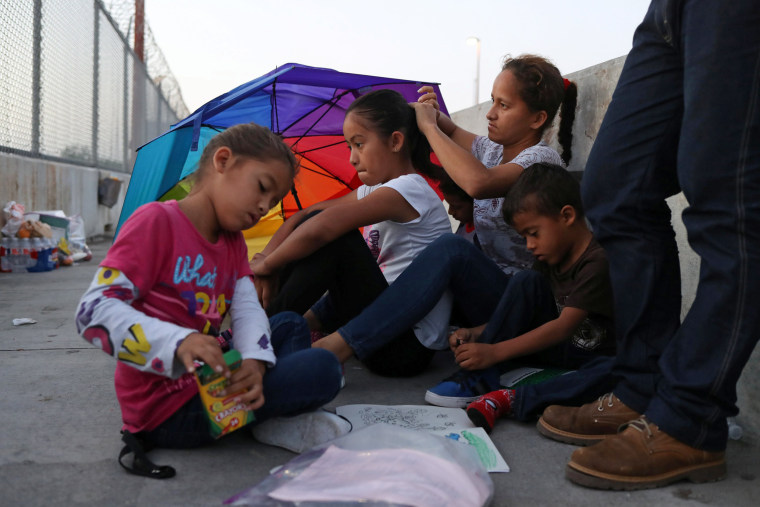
(59, 425)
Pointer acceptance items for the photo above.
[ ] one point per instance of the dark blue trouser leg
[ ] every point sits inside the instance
(527, 302)
(685, 115)
(302, 380)
(449, 262)
(572, 389)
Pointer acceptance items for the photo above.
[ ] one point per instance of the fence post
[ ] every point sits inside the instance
(36, 75)
(95, 82)
(126, 159)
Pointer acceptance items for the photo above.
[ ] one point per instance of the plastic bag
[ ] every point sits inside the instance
(381, 465)
(78, 246)
(14, 217)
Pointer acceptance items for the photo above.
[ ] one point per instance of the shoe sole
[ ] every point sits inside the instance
(566, 437)
(448, 401)
(708, 472)
(479, 419)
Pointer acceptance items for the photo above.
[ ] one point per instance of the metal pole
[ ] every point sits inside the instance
(138, 79)
(95, 84)
(140, 29)
(36, 76)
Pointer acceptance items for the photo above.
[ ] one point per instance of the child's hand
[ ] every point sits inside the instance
(461, 336)
(202, 347)
(475, 356)
(264, 280)
(266, 289)
(248, 380)
(259, 266)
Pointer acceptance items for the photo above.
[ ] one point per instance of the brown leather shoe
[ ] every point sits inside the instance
(588, 424)
(641, 456)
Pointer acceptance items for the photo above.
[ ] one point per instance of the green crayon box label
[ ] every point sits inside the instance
(224, 414)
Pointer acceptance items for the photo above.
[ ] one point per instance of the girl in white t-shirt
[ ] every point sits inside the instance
(319, 251)
(526, 97)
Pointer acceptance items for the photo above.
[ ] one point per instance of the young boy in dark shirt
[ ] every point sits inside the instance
(559, 314)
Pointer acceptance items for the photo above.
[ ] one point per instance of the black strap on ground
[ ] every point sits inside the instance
(141, 465)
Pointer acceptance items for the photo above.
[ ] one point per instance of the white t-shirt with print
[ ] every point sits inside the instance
(499, 241)
(396, 244)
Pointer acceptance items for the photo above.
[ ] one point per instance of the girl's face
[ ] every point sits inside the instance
(510, 120)
(372, 156)
(460, 209)
(247, 189)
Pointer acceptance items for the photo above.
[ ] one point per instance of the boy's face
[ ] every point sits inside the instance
(547, 237)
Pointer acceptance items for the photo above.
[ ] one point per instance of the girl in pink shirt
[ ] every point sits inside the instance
(176, 270)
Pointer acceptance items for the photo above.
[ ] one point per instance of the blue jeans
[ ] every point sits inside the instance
(685, 115)
(449, 262)
(527, 303)
(303, 380)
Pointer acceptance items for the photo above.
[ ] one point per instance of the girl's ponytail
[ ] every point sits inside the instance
(419, 151)
(566, 119)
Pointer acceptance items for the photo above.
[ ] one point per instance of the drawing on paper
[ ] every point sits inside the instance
(415, 418)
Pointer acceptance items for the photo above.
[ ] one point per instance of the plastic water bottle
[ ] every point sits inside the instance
(5, 255)
(735, 431)
(35, 249)
(17, 258)
(27, 252)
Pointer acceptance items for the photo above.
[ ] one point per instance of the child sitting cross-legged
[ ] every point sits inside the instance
(558, 314)
(159, 314)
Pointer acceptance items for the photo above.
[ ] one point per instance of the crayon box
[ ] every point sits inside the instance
(224, 414)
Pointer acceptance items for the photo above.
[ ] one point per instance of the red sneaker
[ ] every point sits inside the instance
(485, 410)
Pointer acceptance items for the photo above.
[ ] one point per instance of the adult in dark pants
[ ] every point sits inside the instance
(685, 116)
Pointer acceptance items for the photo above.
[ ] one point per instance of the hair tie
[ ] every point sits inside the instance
(567, 83)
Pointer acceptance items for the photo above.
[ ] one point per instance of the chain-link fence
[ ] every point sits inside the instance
(73, 90)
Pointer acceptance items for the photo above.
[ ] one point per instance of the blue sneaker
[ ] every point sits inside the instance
(463, 387)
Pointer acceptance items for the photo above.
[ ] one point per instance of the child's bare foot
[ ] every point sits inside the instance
(337, 345)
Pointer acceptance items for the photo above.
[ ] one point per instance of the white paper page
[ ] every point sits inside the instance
(448, 422)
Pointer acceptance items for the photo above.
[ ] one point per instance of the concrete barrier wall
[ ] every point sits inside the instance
(44, 185)
(595, 87)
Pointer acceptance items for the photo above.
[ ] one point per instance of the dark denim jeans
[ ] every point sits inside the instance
(685, 115)
(449, 262)
(527, 303)
(344, 268)
(303, 380)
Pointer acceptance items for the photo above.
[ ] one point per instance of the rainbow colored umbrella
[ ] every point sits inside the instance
(305, 105)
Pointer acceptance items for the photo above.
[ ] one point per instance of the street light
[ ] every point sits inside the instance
(476, 42)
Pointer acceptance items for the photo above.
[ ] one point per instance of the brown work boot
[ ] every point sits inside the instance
(588, 424)
(641, 456)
